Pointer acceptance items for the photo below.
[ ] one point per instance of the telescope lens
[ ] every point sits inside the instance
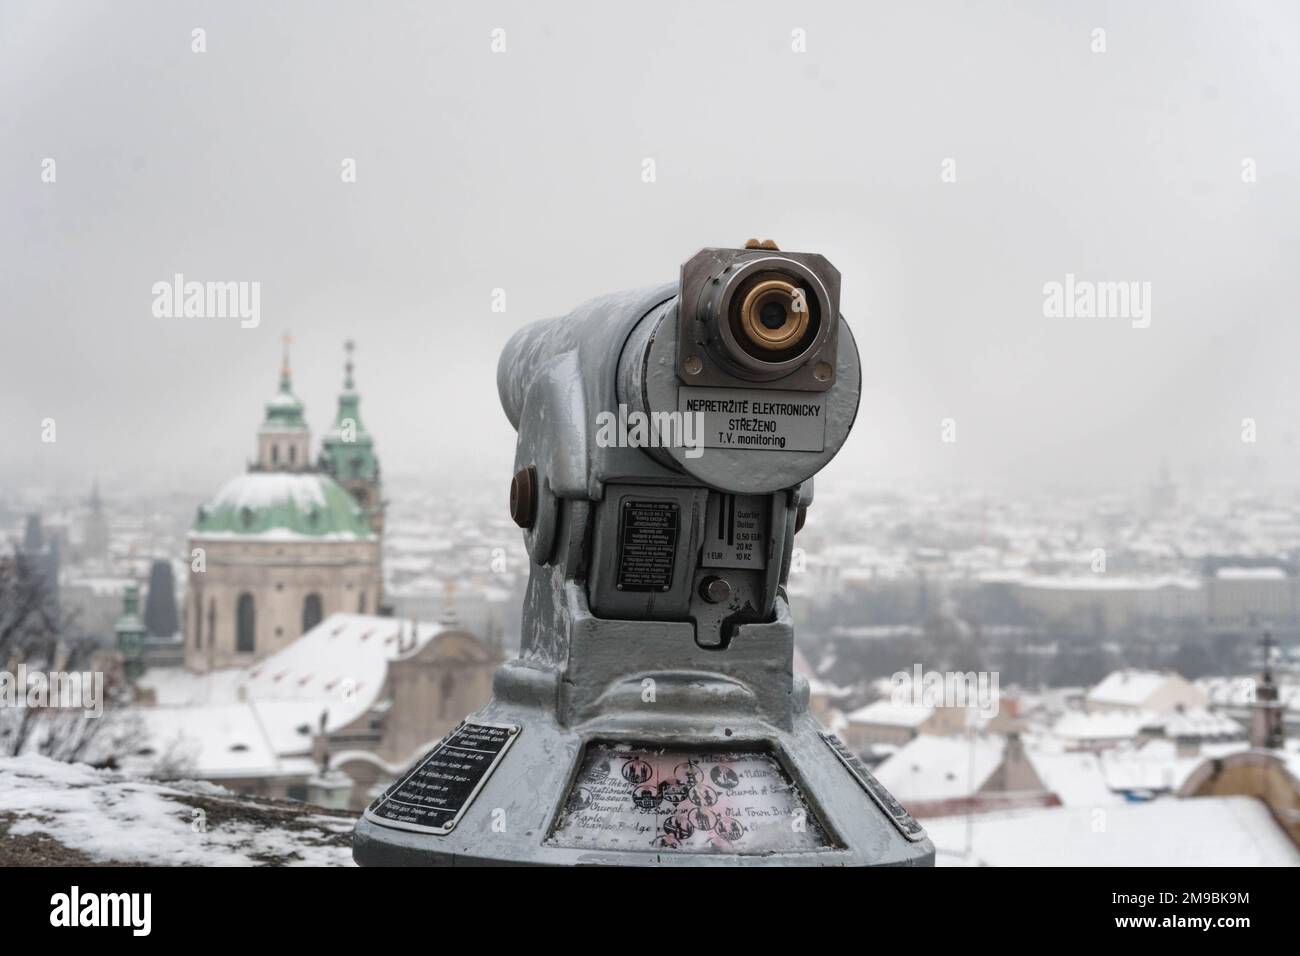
(773, 320)
(772, 315)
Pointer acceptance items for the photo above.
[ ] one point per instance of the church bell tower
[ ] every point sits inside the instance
(348, 450)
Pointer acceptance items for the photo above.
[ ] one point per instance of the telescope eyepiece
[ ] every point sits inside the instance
(761, 314)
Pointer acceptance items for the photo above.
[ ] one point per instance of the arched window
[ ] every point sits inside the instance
(198, 621)
(311, 612)
(275, 454)
(293, 454)
(212, 621)
(361, 603)
(246, 624)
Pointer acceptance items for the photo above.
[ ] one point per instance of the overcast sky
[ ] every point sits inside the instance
(522, 170)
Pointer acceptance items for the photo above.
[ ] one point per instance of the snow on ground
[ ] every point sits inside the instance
(113, 818)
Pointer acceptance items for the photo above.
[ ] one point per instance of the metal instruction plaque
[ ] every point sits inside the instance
(647, 545)
(433, 797)
(763, 419)
(628, 797)
(893, 809)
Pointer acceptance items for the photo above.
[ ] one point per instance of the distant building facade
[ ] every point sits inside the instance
(1238, 593)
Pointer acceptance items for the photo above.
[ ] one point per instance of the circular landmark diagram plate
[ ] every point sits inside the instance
(628, 797)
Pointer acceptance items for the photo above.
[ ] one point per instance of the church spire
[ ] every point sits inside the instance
(286, 383)
(347, 447)
(1267, 712)
(283, 441)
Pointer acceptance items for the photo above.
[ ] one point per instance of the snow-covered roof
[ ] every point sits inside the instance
(1098, 582)
(269, 710)
(1075, 777)
(1155, 765)
(891, 714)
(941, 768)
(1129, 687)
(100, 586)
(1202, 831)
(1201, 724)
(1076, 725)
(872, 632)
(1231, 573)
(218, 740)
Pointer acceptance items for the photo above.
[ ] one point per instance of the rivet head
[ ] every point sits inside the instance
(822, 371)
(523, 497)
(693, 365)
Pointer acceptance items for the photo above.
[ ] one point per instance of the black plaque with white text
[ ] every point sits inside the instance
(433, 797)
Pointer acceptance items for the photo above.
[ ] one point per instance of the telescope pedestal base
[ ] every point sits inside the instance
(614, 791)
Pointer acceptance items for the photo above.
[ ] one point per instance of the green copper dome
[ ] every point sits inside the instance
(274, 504)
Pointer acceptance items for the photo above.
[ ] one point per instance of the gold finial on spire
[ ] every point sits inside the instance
(348, 346)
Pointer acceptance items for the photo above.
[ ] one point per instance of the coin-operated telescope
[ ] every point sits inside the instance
(667, 442)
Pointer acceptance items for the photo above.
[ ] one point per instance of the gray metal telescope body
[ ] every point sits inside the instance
(581, 675)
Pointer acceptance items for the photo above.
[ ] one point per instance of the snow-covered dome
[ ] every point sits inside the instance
(283, 504)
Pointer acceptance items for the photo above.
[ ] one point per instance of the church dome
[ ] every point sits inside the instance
(283, 505)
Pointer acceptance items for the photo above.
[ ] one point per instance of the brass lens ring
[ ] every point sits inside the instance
(774, 315)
